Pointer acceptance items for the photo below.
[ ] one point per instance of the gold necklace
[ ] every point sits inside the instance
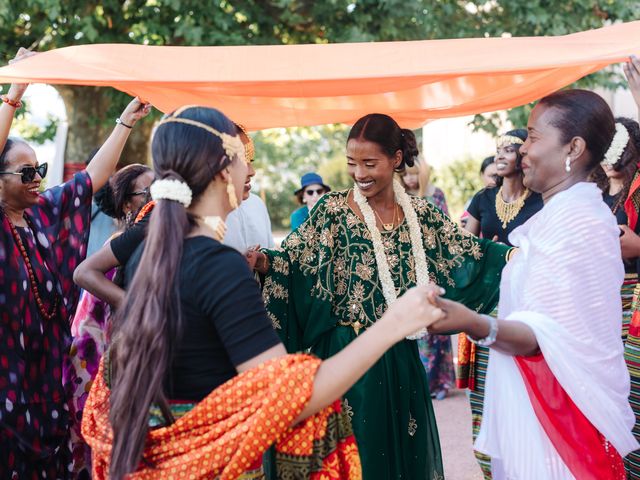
(216, 225)
(508, 211)
(388, 226)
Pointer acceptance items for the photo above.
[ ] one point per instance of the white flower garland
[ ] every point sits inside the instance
(171, 189)
(618, 144)
(417, 247)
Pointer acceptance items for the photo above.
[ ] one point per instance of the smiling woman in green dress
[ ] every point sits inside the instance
(341, 269)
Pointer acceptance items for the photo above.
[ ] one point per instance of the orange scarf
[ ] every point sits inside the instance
(226, 433)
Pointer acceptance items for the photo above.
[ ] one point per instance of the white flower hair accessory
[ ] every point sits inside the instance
(618, 144)
(171, 189)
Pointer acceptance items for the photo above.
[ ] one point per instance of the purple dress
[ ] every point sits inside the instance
(34, 416)
(88, 346)
(435, 350)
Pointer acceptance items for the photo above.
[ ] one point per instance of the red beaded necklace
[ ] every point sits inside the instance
(32, 278)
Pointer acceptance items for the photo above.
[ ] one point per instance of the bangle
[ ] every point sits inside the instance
(120, 122)
(493, 333)
(12, 103)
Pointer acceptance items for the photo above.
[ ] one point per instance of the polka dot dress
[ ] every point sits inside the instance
(34, 418)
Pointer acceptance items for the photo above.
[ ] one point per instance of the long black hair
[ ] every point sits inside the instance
(148, 325)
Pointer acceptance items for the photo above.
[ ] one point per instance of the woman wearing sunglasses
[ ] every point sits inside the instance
(43, 236)
(311, 189)
(122, 198)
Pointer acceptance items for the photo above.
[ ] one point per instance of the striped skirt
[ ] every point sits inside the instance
(472, 371)
(631, 335)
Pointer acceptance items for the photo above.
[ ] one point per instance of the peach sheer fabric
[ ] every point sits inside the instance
(296, 85)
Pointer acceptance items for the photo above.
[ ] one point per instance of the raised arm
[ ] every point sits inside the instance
(632, 72)
(104, 162)
(11, 100)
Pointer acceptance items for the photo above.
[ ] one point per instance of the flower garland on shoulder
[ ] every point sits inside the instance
(417, 247)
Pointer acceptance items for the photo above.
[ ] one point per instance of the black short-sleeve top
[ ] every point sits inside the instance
(224, 321)
(483, 209)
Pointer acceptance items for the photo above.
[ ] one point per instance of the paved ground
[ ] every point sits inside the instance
(454, 425)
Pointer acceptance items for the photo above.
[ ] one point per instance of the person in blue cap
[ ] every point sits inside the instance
(311, 189)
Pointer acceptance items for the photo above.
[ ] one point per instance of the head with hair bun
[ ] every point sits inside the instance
(626, 167)
(569, 134)
(376, 148)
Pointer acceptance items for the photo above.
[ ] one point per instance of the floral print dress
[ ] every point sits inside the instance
(34, 416)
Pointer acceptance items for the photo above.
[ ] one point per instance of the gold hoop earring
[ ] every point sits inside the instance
(231, 192)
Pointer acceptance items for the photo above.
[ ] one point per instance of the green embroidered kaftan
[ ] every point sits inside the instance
(323, 289)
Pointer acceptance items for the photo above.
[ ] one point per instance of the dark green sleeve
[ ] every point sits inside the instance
(289, 291)
(467, 267)
(478, 280)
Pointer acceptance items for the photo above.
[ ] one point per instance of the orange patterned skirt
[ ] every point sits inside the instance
(226, 434)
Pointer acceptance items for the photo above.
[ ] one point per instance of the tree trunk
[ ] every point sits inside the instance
(88, 128)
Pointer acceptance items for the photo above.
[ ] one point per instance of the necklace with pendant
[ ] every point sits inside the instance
(387, 227)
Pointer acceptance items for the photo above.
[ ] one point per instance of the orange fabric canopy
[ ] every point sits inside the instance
(295, 85)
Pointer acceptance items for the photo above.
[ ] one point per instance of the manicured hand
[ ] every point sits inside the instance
(136, 110)
(632, 72)
(413, 311)
(16, 91)
(456, 317)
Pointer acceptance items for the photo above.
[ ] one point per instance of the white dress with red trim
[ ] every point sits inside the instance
(565, 413)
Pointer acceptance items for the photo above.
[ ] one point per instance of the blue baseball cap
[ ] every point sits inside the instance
(311, 178)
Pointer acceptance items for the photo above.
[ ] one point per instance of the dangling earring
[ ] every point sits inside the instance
(231, 192)
(128, 217)
(567, 164)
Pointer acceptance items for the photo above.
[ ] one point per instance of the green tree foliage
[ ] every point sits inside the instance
(283, 155)
(459, 180)
(47, 24)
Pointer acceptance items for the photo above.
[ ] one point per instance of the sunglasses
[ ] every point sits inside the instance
(139, 192)
(311, 191)
(29, 173)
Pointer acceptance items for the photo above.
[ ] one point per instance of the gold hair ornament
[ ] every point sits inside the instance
(505, 140)
(249, 148)
(231, 144)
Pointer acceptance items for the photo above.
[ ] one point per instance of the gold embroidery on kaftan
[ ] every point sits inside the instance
(335, 246)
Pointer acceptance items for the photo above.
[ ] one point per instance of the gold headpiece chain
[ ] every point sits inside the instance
(505, 140)
(231, 144)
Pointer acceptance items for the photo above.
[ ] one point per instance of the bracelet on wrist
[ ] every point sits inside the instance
(12, 103)
(120, 122)
(493, 333)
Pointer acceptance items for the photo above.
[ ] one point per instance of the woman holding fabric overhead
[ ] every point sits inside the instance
(346, 265)
(557, 388)
(42, 239)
